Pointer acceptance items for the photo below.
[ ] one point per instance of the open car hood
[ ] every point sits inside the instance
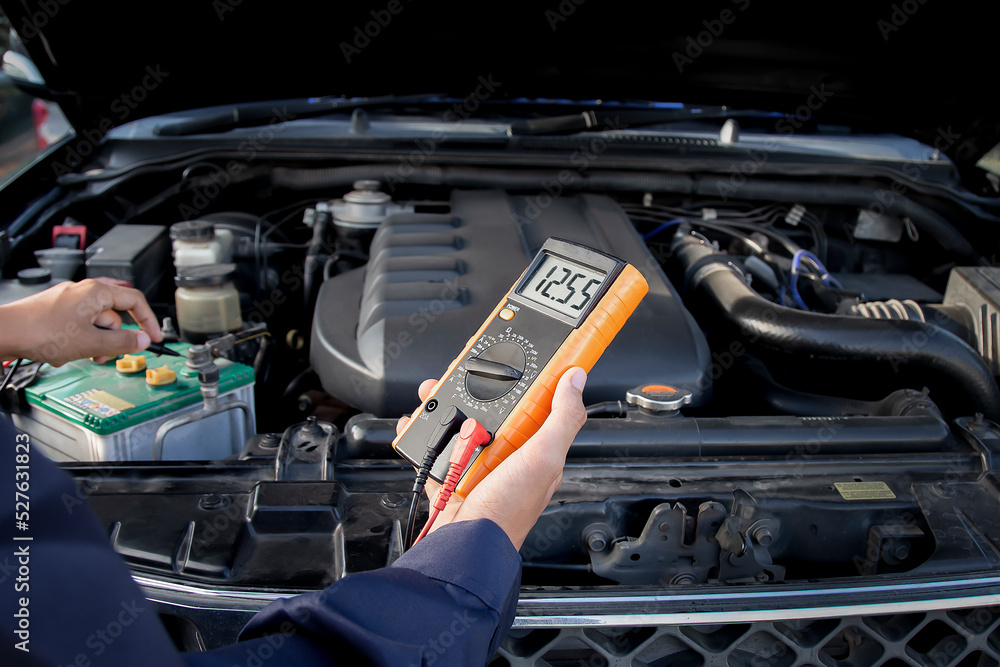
(871, 67)
(791, 449)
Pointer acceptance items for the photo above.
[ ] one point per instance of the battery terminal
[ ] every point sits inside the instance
(131, 363)
(159, 377)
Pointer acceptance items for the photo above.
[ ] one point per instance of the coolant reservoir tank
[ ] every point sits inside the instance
(198, 242)
(208, 304)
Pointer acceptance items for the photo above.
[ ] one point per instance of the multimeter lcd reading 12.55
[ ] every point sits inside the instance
(563, 311)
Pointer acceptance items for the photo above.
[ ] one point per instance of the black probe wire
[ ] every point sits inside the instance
(411, 521)
(423, 472)
(10, 374)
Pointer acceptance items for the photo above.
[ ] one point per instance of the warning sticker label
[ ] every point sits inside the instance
(100, 402)
(864, 490)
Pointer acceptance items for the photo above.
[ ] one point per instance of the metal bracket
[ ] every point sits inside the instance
(745, 536)
(674, 547)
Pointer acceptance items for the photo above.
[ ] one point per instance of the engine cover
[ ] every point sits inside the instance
(432, 279)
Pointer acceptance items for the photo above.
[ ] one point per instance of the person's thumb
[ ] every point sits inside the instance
(113, 342)
(567, 416)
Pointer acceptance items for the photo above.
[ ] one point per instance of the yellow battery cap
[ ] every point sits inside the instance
(157, 377)
(131, 363)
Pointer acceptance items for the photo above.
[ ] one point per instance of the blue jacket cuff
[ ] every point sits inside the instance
(456, 554)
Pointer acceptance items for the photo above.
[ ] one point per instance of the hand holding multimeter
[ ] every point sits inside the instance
(514, 497)
(563, 311)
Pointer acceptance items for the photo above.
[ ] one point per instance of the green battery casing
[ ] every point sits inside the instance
(74, 391)
(85, 411)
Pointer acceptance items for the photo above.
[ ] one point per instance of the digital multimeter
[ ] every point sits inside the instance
(563, 311)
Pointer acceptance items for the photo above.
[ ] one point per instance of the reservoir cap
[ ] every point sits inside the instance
(205, 275)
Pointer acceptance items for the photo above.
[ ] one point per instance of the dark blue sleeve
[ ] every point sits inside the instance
(448, 601)
(66, 598)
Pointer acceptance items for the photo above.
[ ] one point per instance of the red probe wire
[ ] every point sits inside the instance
(472, 435)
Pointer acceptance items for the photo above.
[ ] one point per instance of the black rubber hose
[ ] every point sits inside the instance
(784, 400)
(608, 409)
(834, 337)
(555, 181)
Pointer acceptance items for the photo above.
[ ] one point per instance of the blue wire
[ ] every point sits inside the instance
(796, 263)
(665, 225)
(824, 275)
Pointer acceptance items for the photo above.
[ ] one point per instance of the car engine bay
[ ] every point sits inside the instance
(831, 352)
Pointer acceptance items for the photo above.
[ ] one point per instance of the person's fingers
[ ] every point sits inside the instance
(425, 389)
(113, 281)
(132, 300)
(108, 319)
(566, 418)
(120, 341)
(401, 424)
(518, 490)
(148, 323)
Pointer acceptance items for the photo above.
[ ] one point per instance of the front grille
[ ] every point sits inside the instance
(963, 637)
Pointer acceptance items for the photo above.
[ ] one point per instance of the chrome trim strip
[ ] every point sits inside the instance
(152, 586)
(750, 616)
(895, 589)
(156, 589)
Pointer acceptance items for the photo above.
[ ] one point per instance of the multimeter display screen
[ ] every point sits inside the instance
(563, 285)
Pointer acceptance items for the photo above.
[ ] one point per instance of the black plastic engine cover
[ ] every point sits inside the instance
(432, 279)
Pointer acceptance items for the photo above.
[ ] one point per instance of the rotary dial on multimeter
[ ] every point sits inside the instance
(497, 371)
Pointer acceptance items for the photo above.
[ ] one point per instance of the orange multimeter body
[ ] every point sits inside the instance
(563, 311)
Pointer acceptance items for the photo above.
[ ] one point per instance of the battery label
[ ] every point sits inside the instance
(99, 402)
(864, 490)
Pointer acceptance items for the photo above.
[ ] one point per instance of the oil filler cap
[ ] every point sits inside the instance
(659, 398)
(131, 363)
(158, 377)
(36, 276)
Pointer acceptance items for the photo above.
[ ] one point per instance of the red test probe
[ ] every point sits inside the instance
(472, 435)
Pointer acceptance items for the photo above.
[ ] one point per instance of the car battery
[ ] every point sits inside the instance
(84, 411)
